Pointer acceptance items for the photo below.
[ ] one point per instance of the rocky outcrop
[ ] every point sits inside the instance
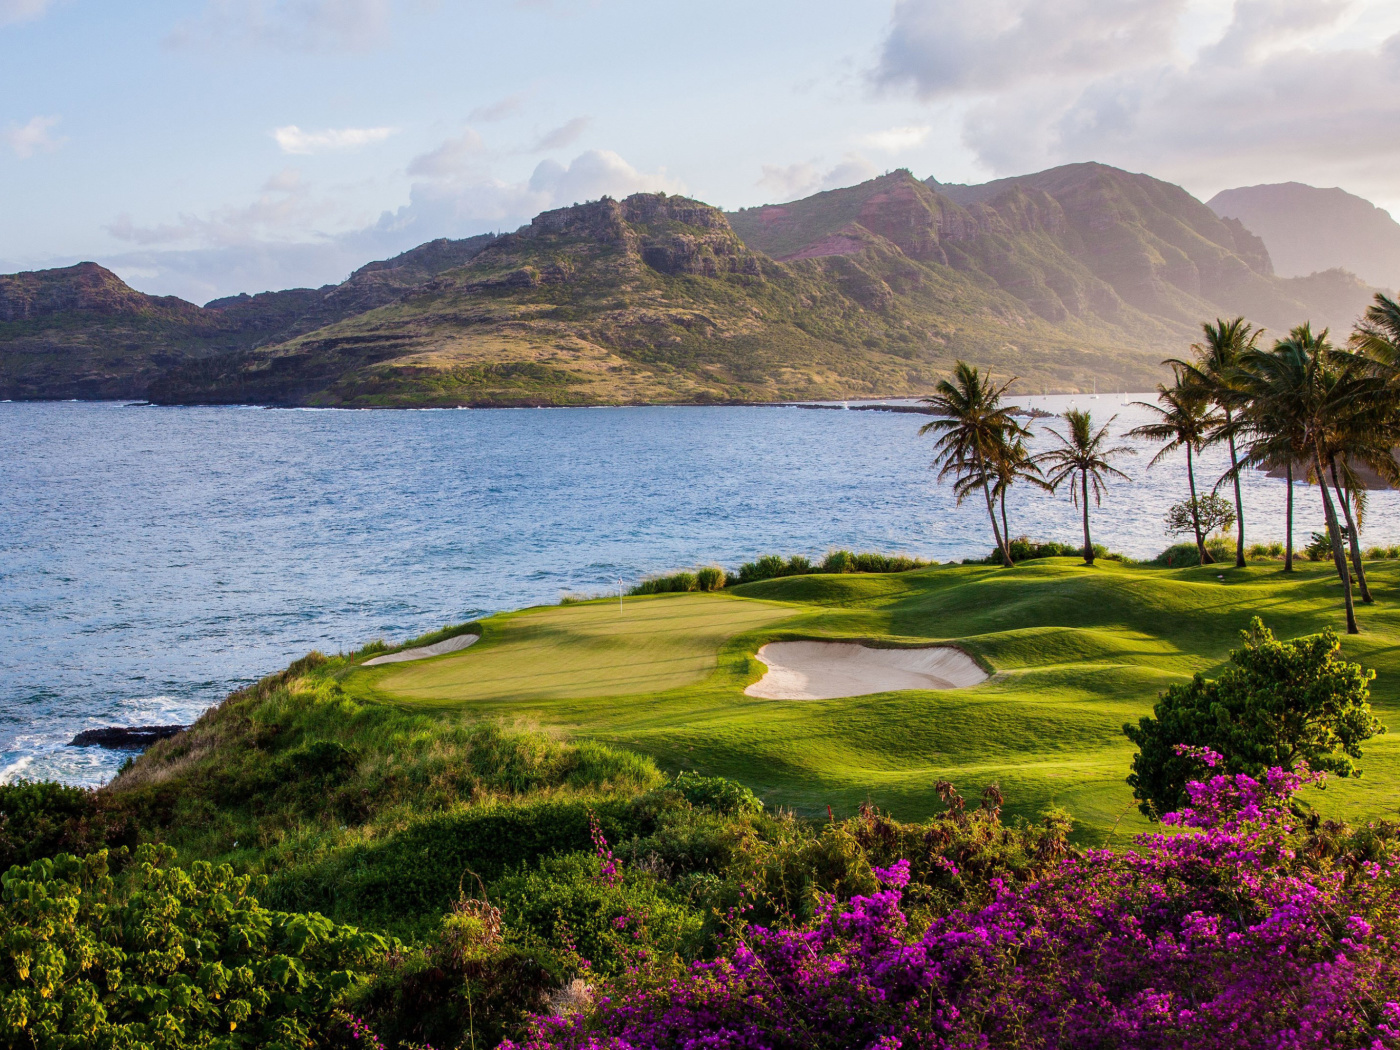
(124, 738)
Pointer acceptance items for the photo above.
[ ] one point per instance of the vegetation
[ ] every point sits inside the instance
(1084, 460)
(1203, 515)
(1281, 704)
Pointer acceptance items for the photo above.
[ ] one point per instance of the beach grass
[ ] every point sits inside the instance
(1076, 651)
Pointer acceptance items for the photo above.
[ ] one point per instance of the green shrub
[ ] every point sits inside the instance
(677, 582)
(1178, 556)
(710, 578)
(839, 561)
(716, 793)
(1278, 704)
(1221, 549)
(1265, 550)
(172, 958)
(43, 819)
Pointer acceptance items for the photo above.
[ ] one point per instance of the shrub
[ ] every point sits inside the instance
(1178, 556)
(1214, 513)
(717, 793)
(710, 578)
(676, 582)
(43, 819)
(1242, 930)
(839, 561)
(1279, 704)
(173, 958)
(1265, 550)
(1221, 548)
(1319, 547)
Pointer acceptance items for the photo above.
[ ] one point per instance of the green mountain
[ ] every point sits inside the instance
(1309, 229)
(80, 331)
(1076, 275)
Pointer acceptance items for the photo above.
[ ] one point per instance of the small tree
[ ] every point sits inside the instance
(1279, 704)
(1212, 512)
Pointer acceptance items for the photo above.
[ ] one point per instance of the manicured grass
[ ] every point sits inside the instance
(1078, 651)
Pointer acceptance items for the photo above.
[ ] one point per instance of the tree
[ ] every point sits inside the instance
(1278, 704)
(1184, 420)
(1210, 513)
(1082, 456)
(1214, 371)
(972, 427)
(1009, 463)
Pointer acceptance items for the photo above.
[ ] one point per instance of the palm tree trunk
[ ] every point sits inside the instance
(1204, 554)
(1354, 541)
(991, 513)
(1288, 540)
(1239, 500)
(1335, 535)
(1084, 492)
(1005, 528)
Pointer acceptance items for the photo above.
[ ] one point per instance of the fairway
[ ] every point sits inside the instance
(1075, 651)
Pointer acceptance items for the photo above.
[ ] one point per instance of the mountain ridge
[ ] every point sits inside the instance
(1078, 274)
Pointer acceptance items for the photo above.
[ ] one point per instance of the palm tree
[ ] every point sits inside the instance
(1214, 370)
(1301, 403)
(1010, 463)
(1184, 420)
(1083, 453)
(1271, 385)
(973, 425)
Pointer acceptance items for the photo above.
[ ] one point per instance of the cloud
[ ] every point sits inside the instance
(451, 159)
(499, 110)
(792, 181)
(293, 140)
(21, 10)
(293, 25)
(941, 47)
(564, 135)
(285, 209)
(34, 137)
(892, 140)
(593, 174)
(1281, 91)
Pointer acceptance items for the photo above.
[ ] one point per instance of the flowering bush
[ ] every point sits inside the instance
(1240, 926)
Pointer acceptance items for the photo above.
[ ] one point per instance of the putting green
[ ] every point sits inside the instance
(1078, 651)
(611, 648)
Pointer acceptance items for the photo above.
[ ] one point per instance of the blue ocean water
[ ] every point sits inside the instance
(152, 559)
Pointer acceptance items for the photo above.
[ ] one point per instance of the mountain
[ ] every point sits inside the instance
(1308, 230)
(1067, 277)
(80, 331)
(653, 298)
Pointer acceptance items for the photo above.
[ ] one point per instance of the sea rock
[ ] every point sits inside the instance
(124, 738)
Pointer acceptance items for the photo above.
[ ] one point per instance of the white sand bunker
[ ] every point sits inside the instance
(447, 645)
(826, 670)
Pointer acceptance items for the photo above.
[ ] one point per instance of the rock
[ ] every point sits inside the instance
(124, 738)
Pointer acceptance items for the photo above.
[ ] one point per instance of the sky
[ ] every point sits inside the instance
(208, 147)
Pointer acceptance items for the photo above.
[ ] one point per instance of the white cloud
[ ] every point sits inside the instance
(295, 25)
(34, 137)
(789, 182)
(453, 158)
(293, 140)
(593, 174)
(892, 140)
(21, 10)
(1280, 90)
(500, 109)
(564, 135)
(941, 47)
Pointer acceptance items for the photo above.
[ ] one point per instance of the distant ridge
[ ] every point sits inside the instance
(1308, 229)
(1078, 275)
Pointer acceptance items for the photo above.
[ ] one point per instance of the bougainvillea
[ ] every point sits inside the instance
(1235, 928)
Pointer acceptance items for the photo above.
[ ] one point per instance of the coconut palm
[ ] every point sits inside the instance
(1083, 457)
(1010, 463)
(1315, 399)
(973, 425)
(1185, 419)
(1214, 370)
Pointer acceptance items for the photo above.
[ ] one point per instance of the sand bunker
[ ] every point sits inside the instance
(447, 645)
(825, 670)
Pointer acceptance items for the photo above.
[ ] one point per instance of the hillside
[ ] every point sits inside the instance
(656, 299)
(1086, 243)
(1068, 277)
(1308, 230)
(80, 331)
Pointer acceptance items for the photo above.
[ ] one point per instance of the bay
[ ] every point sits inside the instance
(152, 559)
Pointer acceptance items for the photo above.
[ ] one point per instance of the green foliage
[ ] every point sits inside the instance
(169, 958)
(708, 578)
(44, 818)
(1319, 546)
(771, 566)
(1184, 555)
(1213, 513)
(1280, 704)
(716, 793)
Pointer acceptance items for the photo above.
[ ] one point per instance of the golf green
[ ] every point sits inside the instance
(1076, 651)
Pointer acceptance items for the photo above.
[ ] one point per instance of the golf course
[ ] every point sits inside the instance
(1073, 651)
